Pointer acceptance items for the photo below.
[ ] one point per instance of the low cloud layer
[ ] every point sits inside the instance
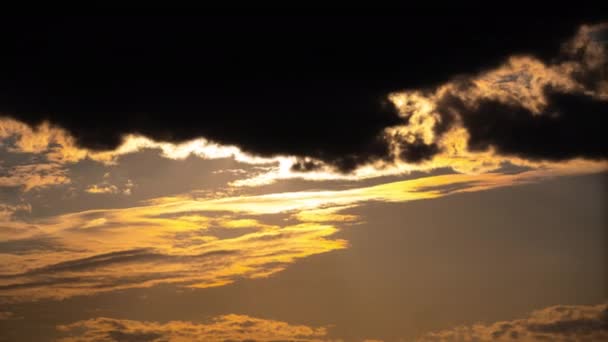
(220, 329)
(555, 323)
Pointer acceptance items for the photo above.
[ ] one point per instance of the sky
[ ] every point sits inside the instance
(407, 176)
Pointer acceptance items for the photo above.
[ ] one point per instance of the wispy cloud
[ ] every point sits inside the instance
(176, 240)
(95, 260)
(32, 176)
(8, 211)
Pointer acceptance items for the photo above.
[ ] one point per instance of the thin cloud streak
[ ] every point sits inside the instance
(174, 239)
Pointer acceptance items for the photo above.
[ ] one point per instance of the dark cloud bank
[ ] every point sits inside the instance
(571, 126)
(311, 86)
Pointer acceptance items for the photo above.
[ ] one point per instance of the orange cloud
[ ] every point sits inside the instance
(32, 176)
(223, 328)
(555, 323)
(102, 189)
(107, 188)
(176, 240)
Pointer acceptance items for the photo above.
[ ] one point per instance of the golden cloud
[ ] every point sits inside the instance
(223, 328)
(555, 323)
(32, 176)
(175, 239)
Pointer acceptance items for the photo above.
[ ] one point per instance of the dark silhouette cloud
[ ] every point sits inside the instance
(572, 125)
(417, 150)
(308, 86)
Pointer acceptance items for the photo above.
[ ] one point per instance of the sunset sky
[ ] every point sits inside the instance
(387, 176)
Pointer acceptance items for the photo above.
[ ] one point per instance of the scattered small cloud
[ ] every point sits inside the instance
(107, 188)
(555, 323)
(102, 189)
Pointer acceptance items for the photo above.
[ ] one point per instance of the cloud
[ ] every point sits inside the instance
(7, 211)
(138, 252)
(32, 176)
(29, 245)
(190, 240)
(523, 110)
(323, 95)
(44, 139)
(107, 188)
(570, 126)
(555, 323)
(326, 215)
(219, 329)
(102, 189)
(51, 148)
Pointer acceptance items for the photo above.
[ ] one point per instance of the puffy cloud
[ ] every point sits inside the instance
(107, 188)
(220, 329)
(55, 143)
(51, 146)
(525, 108)
(555, 323)
(102, 189)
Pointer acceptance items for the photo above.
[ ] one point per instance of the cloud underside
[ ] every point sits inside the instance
(525, 112)
(198, 242)
(555, 323)
(533, 108)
